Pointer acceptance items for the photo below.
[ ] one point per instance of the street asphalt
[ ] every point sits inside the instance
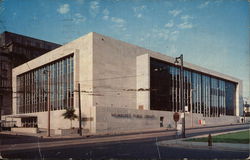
(136, 145)
(125, 149)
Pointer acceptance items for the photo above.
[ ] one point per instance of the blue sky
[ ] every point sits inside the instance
(210, 33)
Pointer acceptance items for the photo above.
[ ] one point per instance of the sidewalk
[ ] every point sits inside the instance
(44, 134)
(181, 143)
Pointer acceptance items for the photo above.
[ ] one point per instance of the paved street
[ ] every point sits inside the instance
(120, 146)
(126, 149)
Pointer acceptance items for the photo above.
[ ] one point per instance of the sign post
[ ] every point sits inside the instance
(176, 118)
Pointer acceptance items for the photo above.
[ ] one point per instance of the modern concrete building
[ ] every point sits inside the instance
(15, 50)
(123, 87)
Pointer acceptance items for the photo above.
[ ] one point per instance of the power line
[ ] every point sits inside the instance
(113, 78)
(120, 77)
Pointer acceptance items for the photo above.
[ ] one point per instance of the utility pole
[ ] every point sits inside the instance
(48, 103)
(48, 100)
(182, 99)
(191, 106)
(80, 113)
(1, 115)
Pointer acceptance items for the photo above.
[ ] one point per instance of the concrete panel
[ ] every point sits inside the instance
(114, 72)
(64, 132)
(239, 99)
(25, 130)
(114, 119)
(143, 81)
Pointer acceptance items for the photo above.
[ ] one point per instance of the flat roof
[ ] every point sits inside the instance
(151, 53)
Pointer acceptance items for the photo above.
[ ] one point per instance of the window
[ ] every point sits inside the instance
(32, 87)
(205, 94)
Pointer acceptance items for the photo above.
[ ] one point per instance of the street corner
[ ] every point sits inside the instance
(184, 143)
(181, 143)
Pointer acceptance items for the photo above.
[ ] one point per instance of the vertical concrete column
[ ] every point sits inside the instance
(143, 82)
(239, 99)
(76, 76)
(76, 67)
(14, 94)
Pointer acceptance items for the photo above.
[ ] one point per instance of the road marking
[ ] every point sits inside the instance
(157, 148)
(39, 149)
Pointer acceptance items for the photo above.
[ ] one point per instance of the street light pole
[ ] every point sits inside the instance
(182, 94)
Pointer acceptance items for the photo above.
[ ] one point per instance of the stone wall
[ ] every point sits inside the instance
(112, 120)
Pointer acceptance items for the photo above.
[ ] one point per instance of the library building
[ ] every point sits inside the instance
(119, 87)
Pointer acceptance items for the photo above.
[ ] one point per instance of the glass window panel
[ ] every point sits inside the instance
(32, 87)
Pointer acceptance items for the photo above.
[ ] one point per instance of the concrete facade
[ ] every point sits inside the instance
(112, 120)
(25, 130)
(115, 81)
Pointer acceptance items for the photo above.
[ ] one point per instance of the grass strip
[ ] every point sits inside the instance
(237, 137)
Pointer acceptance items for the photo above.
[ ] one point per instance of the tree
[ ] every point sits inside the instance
(70, 114)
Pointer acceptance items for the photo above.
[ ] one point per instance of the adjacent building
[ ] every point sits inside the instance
(5, 82)
(122, 87)
(246, 110)
(15, 50)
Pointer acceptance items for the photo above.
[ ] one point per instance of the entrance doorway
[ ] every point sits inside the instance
(161, 121)
(29, 122)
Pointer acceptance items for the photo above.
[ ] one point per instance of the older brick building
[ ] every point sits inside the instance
(15, 50)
